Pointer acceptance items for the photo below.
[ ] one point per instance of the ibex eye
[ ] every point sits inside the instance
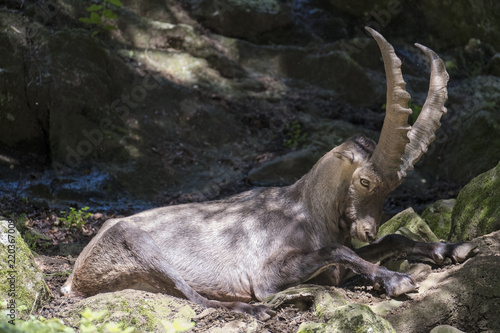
(364, 182)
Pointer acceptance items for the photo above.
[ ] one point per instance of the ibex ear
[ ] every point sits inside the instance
(345, 155)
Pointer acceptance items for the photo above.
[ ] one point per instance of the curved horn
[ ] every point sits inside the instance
(422, 132)
(394, 135)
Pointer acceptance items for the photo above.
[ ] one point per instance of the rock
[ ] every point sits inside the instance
(438, 217)
(445, 329)
(493, 67)
(23, 286)
(469, 142)
(285, 169)
(350, 318)
(457, 25)
(22, 123)
(477, 209)
(237, 326)
(464, 296)
(139, 309)
(333, 308)
(409, 224)
(322, 137)
(245, 19)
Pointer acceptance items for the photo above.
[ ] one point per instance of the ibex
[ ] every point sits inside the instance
(227, 253)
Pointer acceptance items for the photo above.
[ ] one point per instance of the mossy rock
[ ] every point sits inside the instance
(28, 290)
(143, 310)
(349, 318)
(477, 210)
(409, 224)
(438, 217)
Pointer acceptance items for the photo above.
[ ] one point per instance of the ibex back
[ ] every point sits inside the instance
(229, 252)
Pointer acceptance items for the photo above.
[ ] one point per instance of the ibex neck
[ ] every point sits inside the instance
(324, 193)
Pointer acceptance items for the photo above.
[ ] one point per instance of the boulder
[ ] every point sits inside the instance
(409, 224)
(438, 217)
(322, 136)
(469, 140)
(148, 311)
(245, 19)
(335, 312)
(350, 318)
(477, 209)
(464, 296)
(23, 287)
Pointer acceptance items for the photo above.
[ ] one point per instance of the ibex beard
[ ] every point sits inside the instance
(230, 252)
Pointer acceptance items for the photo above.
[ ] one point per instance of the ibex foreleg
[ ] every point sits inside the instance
(392, 245)
(303, 267)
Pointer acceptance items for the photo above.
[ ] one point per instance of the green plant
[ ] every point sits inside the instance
(31, 240)
(294, 135)
(415, 108)
(33, 325)
(416, 111)
(101, 14)
(75, 218)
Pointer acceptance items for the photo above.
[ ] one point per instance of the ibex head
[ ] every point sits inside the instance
(377, 169)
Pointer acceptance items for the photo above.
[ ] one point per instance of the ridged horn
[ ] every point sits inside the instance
(400, 146)
(394, 136)
(422, 132)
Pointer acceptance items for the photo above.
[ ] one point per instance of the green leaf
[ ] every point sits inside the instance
(93, 19)
(108, 13)
(110, 27)
(94, 33)
(94, 8)
(117, 3)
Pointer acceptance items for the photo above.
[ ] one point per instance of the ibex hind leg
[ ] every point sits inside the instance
(127, 257)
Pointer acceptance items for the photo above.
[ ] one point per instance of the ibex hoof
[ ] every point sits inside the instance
(396, 284)
(463, 251)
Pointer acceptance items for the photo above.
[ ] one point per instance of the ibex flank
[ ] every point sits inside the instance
(230, 252)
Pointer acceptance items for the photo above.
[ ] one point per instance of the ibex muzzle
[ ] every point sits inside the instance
(249, 246)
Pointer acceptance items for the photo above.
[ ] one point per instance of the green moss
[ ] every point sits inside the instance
(30, 288)
(410, 224)
(438, 217)
(477, 210)
(326, 303)
(134, 308)
(357, 318)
